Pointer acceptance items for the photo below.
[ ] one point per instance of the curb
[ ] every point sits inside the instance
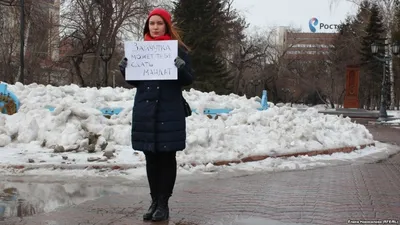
(311, 153)
(217, 163)
(384, 123)
(69, 167)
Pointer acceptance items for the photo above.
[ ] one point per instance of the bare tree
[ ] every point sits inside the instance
(8, 2)
(249, 54)
(8, 43)
(94, 25)
(282, 69)
(38, 38)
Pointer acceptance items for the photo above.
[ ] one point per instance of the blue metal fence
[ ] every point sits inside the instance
(8, 96)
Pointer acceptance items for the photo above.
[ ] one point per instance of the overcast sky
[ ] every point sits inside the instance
(296, 13)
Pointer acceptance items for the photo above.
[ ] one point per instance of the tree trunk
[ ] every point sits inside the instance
(274, 92)
(25, 46)
(76, 63)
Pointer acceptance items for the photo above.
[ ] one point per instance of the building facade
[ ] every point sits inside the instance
(9, 28)
(54, 31)
(305, 46)
(299, 49)
(44, 26)
(49, 11)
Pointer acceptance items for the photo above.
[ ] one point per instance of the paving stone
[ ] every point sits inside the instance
(329, 195)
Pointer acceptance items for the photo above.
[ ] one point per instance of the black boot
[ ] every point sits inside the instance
(149, 214)
(152, 176)
(162, 210)
(166, 181)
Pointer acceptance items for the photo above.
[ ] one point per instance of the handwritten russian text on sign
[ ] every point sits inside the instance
(151, 60)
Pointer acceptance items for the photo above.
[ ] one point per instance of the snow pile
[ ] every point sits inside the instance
(77, 125)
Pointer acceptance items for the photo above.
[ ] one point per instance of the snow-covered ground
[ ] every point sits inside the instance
(76, 131)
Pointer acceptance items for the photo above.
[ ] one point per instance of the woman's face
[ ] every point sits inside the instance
(156, 26)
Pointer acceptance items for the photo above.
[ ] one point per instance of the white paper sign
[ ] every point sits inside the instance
(151, 60)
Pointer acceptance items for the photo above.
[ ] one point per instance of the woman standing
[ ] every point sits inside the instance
(158, 117)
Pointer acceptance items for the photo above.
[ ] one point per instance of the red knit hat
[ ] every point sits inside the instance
(160, 12)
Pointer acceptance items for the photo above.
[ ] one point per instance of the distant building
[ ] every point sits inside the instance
(280, 33)
(305, 46)
(54, 32)
(50, 33)
(46, 28)
(296, 46)
(66, 47)
(9, 21)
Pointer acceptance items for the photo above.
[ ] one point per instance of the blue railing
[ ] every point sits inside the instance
(215, 112)
(109, 111)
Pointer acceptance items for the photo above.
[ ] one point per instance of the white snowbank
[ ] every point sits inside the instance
(245, 132)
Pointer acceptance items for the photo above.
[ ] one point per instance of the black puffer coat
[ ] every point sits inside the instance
(158, 115)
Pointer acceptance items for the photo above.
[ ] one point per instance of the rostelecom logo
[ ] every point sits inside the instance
(312, 24)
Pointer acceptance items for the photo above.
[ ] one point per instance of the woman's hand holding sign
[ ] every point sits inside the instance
(123, 64)
(179, 63)
(122, 67)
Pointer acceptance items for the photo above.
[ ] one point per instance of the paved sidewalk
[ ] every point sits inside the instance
(331, 195)
(385, 133)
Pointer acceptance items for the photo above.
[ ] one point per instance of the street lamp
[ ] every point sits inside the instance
(374, 49)
(395, 49)
(105, 54)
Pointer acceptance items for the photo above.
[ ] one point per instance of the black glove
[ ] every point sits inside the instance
(179, 63)
(123, 63)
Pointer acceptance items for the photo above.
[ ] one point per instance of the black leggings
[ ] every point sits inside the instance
(161, 172)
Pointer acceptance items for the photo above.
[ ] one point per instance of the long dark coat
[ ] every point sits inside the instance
(158, 115)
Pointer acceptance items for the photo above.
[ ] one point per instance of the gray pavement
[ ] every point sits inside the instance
(345, 194)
